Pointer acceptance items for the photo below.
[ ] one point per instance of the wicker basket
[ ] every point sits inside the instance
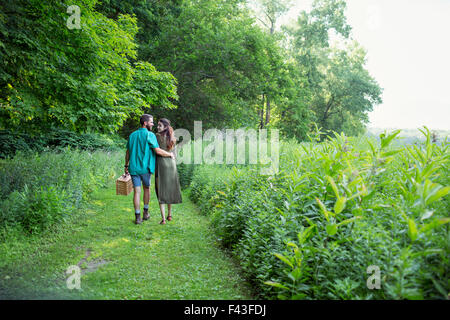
(124, 185)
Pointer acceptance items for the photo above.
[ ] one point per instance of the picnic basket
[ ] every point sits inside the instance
(124, 185)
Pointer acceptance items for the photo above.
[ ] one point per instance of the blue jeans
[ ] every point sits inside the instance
(136, 179)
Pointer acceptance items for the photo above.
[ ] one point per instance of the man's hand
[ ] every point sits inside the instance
(127, 161)
(162, 153)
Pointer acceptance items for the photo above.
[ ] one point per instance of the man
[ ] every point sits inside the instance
(140, 160)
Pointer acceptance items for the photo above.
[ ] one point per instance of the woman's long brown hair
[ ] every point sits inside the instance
(168, 133)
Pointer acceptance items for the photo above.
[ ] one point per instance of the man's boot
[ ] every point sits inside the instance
(146, 215)
(138, 219)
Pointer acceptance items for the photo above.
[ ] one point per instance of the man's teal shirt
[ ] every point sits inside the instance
(142, 156)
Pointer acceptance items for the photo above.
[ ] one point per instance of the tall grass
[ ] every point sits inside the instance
(334, 209)
(38, 190)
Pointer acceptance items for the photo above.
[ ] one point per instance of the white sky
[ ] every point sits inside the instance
(408, 44)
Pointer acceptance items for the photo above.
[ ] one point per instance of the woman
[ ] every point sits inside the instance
(167, 184)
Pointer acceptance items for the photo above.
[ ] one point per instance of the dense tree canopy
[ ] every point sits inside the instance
(81, 79)
(221, 60)
(151, 16)
(216, 61)
(342, 91)
(347, 91)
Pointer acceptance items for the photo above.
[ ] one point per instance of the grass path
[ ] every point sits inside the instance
(121, 260)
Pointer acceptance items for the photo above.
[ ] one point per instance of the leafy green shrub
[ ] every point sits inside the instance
(56, 139)
(38, 190)
(11, 142)
(334, 209)
(185, 173)
(35, 210)
(208, 180)
(88, 141)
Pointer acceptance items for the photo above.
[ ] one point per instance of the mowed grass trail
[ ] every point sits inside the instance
(121, 260)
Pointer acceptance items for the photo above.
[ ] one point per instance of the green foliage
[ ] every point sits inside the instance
(81, 79)
(103, 239)
(335, 208)
(185, 173)
(150, 16)
(221, 60)
(347, 91)
(34, 210)
(11, 142)
(55, 139)
(339, 91)
(230, 72)
(38, 190)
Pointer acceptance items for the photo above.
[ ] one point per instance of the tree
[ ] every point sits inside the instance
(270, 11)
(347, 92)
(79, 79)
(151, 16)
(341, 90)
(221, 59)
(293, 115)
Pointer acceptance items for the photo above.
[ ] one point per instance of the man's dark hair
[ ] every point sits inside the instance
(145, 118)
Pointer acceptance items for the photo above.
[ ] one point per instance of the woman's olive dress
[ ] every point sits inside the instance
(167, 183)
